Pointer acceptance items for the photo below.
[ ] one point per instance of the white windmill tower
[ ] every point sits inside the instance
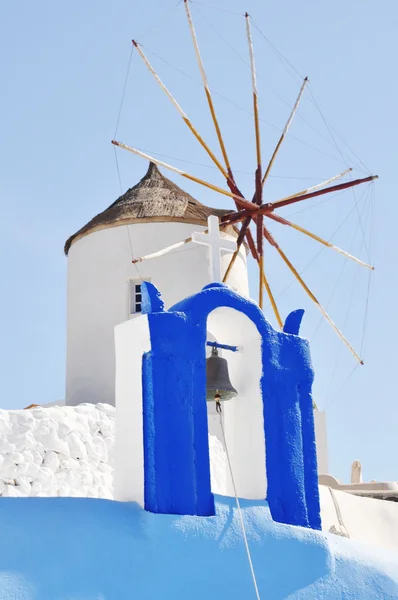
(104, 284)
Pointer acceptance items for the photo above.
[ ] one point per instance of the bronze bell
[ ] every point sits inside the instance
(217, 378)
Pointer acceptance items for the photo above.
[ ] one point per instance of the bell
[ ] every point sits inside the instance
(218, 378)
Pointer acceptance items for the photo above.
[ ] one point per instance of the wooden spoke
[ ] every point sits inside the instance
(272, 300)
(333, 188)
(286, 129)
(231, 264)
(251, 244)
(264, 209)
(273, 243)
(258, 180)
(244, 231)
(283, 221)
(230, 180)
(261, 281)
(316, 187)
(254, 88)
(207, 89)
(259, 219)
(171, 247)
(256, 210)
(182, 113)
(264, 280)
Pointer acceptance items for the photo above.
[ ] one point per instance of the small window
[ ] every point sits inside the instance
(135, 297)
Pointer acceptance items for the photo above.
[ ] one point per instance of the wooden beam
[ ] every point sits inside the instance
(170, 248)
(318, 186)
(285, 130)
(254, 89)
(272, 300)
(207, 89)
(182, 113)
(273, 243)
(258, 176)
(315, 237)
(264, 209)
(259, 224)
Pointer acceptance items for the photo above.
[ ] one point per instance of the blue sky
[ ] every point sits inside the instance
(62, 73)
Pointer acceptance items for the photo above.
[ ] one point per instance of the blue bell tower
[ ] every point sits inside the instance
(176, 461)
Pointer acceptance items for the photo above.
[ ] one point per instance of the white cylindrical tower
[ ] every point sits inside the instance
(104, 285)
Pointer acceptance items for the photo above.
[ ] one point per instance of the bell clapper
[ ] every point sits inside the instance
(217, 399)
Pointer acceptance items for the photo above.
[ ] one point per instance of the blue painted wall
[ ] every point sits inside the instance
(91, 549)
(177, 472)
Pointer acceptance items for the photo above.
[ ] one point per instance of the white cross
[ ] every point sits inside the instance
(216, 244)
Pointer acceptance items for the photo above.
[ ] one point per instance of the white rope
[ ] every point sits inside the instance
(342, 525)
(170, 248)
(161, 252)
(240, 515)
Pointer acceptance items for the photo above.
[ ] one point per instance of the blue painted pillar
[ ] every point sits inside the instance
(176, 447)
(284, 450)
(310, 463)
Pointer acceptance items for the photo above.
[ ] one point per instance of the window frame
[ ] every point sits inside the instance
(132, 294)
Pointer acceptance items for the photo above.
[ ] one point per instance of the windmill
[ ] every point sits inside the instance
(253, 212)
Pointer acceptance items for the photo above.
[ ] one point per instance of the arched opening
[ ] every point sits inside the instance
(242, 417)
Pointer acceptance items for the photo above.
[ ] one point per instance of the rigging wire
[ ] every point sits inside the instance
(316, 204)
(320, 251)
(340, 348)
(231, 12)
(371, 220)
(369, 206)
(198, 164)
(286, 102)
(245, 110)
(210, 24)
(119, 115)
(123, 92)
(118, 170)
(287, 64)
(348, 310)
(114, 147)
(161, 19)
(242, 523)
(311, 338)
(337, 394)
(342, 156)
(281, 56)
(330, 127)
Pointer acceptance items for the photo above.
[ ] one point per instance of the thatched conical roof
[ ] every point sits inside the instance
(154, 198)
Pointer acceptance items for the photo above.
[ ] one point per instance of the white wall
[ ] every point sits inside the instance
(321, 441)
(99, 268)
(57, 451)
(132, 340)
(243, 416)
(364, 519)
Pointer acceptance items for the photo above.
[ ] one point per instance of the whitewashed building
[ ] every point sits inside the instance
(104, 285)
